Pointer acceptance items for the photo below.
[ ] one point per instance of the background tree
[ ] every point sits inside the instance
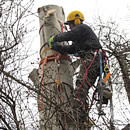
(15, 111)
(117, 45)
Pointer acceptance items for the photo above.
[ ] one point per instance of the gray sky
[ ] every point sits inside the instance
(117, 9)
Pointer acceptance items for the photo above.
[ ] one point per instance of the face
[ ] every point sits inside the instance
(71, 26)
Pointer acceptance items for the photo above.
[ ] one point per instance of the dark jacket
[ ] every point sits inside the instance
(83, 38)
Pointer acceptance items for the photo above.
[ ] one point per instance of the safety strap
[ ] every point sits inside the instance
(54, 57)
(101, 68)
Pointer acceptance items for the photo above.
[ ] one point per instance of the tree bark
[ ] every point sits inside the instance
(127, 127)
(56, 81)
(125, 69)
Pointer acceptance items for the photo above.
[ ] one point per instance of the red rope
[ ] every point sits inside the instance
(85, 77)
(62, 27)
(43, 62)
(41, 98)
(41, 28)
(105, 58)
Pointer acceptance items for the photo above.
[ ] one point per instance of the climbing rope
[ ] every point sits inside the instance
(86, 73)
(55, 57)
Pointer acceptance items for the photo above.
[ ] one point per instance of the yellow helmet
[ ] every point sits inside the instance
(76, 17)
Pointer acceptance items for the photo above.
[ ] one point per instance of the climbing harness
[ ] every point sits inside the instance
(104, 77)
(104, 72)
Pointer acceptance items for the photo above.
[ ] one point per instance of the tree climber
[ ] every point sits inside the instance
(84, 44)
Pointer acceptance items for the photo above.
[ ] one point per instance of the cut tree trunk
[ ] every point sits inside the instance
(56, 80)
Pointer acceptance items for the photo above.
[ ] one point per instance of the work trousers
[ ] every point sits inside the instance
(89, 71)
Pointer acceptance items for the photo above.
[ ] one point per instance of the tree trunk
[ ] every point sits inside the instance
(55, 72)
(125, 69)
(127, 127)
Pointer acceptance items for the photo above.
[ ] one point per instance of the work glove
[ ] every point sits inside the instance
(51, 42)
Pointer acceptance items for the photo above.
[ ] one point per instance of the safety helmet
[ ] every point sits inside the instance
(76, 17)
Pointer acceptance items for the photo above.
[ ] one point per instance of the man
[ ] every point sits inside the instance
(84, 43)
(81, 34)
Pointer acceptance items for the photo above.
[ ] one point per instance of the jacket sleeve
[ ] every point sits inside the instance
(66, 49)
(73, 35)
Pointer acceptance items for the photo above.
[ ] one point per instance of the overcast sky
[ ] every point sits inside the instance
(116, 9)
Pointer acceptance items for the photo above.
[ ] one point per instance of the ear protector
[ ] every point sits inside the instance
(77, 21)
